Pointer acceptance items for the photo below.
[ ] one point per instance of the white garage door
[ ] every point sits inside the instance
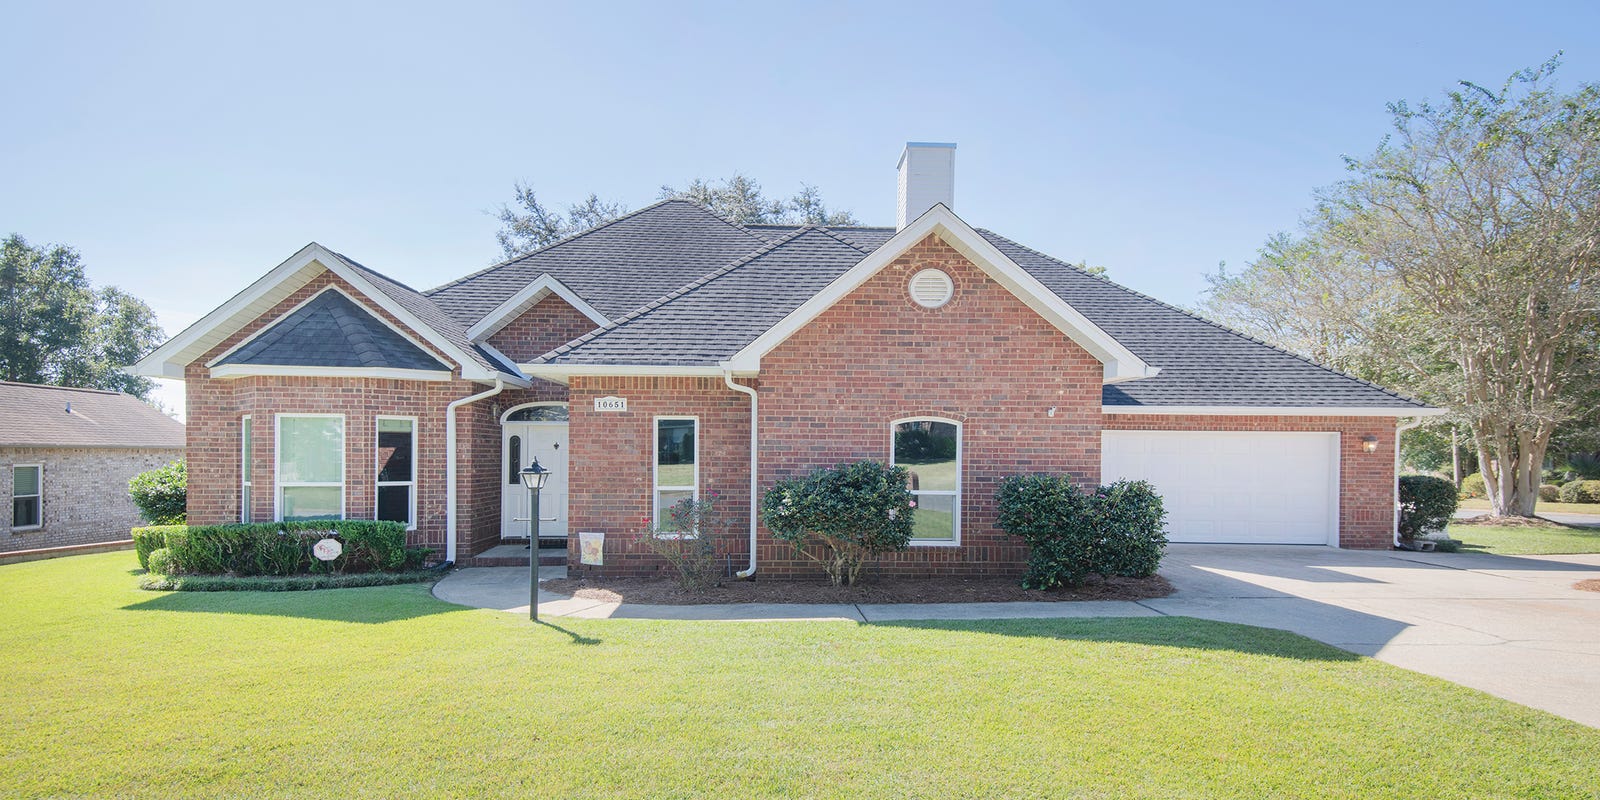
(1258, 488)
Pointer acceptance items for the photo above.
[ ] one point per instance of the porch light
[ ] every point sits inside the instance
(533, 477)
(1369, 444)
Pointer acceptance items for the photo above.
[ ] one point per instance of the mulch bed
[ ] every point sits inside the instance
(1591, 585)
(1509, 522)
(663, 591)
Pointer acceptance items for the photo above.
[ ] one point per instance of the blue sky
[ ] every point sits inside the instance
(185, 149)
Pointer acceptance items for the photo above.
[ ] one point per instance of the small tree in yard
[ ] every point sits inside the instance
(856, 510)
(162, 494)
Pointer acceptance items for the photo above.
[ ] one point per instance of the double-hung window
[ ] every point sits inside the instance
(27, 496)
(244, 468)
(397, 470)
(677, 469)
(930, 449)
(310, 466)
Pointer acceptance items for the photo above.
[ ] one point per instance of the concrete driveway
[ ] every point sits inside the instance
(1509, 625)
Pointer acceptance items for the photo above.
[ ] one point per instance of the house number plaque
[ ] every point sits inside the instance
(611, 403)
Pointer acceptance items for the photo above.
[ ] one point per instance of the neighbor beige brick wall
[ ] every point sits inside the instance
(85, 493)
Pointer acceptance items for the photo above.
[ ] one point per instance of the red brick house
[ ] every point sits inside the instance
(672, 353)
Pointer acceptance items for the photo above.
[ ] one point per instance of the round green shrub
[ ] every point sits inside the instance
(856, 511)
(1581, 492)
(161, 562)
(1426, 504)
(162, 494)
(1472, 486)
(1549, 493)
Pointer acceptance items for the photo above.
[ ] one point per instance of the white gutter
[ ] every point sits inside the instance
(450, 464)
(727, 377)
(1400, 427)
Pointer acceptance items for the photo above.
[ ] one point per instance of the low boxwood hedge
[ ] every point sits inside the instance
(277, 548)
(290, 583)
(1118, 529)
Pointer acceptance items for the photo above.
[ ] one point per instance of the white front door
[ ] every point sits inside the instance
(520, 443)
(1234, 486)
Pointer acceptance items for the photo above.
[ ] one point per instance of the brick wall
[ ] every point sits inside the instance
(85, 496)
(1366, 495)
(548, 324)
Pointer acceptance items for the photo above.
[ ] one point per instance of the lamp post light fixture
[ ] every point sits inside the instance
(533, 477)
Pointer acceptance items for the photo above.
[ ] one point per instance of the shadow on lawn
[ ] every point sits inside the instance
(577, 638)
(1185, 632)
(369, 605)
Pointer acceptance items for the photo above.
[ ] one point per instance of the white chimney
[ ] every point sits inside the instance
(927, 178)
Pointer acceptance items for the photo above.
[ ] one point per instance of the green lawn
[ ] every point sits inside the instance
(1518, 541)
(1480, 504)
(386, 692)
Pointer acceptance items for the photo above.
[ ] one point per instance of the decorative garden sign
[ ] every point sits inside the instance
(327, 549)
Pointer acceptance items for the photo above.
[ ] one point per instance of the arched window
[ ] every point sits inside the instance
(538, 414)
(930, 449)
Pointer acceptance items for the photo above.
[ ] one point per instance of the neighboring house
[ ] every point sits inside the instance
(67, 456)
(672, 353)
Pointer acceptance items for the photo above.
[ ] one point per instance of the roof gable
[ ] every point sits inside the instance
(331, 330)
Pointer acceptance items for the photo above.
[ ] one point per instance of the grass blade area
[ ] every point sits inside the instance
(387, 692)
(1521, 541)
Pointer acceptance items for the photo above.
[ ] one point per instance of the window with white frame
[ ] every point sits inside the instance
(677, 468)
(310, 474)
(244, 468)
(27, 496)
(397, 470)
(930, 450)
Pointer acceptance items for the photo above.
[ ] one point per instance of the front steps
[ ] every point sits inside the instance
(516, 555)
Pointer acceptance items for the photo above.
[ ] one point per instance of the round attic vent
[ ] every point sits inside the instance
(931, 288)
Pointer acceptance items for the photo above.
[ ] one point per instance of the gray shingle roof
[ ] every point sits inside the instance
(616, 267)
(332, 331)
(706, 320)
(36, 416)
(714, 317)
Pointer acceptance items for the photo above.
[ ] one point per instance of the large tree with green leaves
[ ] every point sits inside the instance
(57, 328)
(1461, 261)
(526, 224)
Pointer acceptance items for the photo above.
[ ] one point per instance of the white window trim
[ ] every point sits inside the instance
(40, 494)
(277, 455)
(247, 495)
(377, 484)
(655, 472)
(955, 527)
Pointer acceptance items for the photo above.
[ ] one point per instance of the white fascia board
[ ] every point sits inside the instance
(258, 370)
(546, 285)
(1120, 363)
(560, 373)
(1275, 411)
(519, 380)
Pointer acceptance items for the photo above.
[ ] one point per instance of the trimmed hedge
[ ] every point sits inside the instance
(1426, 504)
(162, 494)
(856, 510)
(149, 539)
(1581, 492)
(291, 583)
(1072, 533)
(281, 548)
(1549, 493)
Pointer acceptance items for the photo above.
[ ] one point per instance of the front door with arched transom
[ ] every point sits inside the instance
(526, 432)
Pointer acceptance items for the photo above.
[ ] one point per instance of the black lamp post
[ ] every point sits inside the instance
(533, 477)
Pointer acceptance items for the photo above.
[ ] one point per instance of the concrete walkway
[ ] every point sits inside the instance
(1510, 626)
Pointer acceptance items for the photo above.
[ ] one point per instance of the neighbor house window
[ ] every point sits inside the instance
(677, 471)
(310, 466)
(244, 469)
(397, 470)
(27, 490)
(930, 449)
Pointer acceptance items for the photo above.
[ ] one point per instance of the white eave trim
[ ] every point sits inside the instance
(1276, 411)
(1120, 363)
(543, 287)
(168, 360)
(258, 370)
(560, 373)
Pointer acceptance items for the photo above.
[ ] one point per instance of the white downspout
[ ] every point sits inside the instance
(727, 377)
(1400, 427)
(450, 465)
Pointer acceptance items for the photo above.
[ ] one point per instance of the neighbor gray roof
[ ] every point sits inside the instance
(37, 416)
(332, 331)
(706, 321)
